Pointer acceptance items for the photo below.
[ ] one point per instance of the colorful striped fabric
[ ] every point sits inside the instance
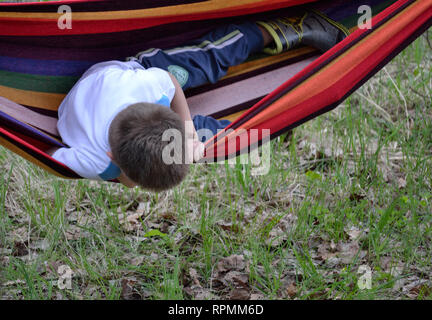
(39, 62)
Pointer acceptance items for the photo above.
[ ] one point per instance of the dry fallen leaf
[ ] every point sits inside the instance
(74, 232)
(402, 183)
(233, 262)
(20, 235)
(228, 226)
(353, 233)
(416, 286)
(421, 289)
(131, 222)
(128, 291)
(13, 282)
(198, 292)
(20, 249)
(347, 252)
(325, 252)
(257, 296)
(39, 245)
(194, 276)
(136, 261)
(288, 287)
(340, 253)
(239, 294)
(143, 207)
(291, 290)
(232, 275)
(236, 278)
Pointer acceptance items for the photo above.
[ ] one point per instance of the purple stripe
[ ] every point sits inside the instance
(116, 45)
(8, 121)
(320, 66)
(45, 67)
(166, 34)
(45, 160)
(381, 65)
(330, 107)
(93, 47)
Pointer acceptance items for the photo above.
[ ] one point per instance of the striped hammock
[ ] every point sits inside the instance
(39, 63)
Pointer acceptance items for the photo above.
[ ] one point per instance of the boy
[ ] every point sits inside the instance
(114, 117)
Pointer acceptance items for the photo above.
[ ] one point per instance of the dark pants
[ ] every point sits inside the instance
(206, 60)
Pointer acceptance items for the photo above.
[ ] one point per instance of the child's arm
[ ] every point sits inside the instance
(180, 106)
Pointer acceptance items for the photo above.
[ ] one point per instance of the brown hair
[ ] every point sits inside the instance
(135, 138)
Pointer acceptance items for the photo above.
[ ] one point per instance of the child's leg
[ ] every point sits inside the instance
(206, 59)
(208, 123)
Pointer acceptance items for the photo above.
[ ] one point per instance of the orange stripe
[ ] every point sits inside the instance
(207, 7)
(338, 68)
(267, 61)
(51, 101)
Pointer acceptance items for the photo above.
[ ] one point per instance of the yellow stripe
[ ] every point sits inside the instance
(234, 116)
(283, 35)
(43, 100)
(260, 63)
(334, 71)
(192, 8)
(51, 101)
(267, 61)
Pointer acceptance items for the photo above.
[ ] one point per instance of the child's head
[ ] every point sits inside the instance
(135, 138)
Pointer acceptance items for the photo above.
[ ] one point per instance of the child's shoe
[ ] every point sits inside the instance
(312, 29)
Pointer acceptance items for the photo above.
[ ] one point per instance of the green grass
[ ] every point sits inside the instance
(350, 188)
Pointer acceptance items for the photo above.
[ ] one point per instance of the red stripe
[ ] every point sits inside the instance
(32, 141)
(22, 143)
(334, 93)
(344, 85)
(351, 38)
(17, 4)
(46, 27)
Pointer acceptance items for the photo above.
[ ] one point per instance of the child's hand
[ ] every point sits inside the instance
(195, 148)
(198, 150)
(198, 147)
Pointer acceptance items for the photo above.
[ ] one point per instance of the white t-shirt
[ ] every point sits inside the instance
(86, 113)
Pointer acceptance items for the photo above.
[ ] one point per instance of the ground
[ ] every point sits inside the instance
(344, 213)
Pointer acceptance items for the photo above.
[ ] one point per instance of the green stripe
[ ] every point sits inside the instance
(352, 21)
(48, 84)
